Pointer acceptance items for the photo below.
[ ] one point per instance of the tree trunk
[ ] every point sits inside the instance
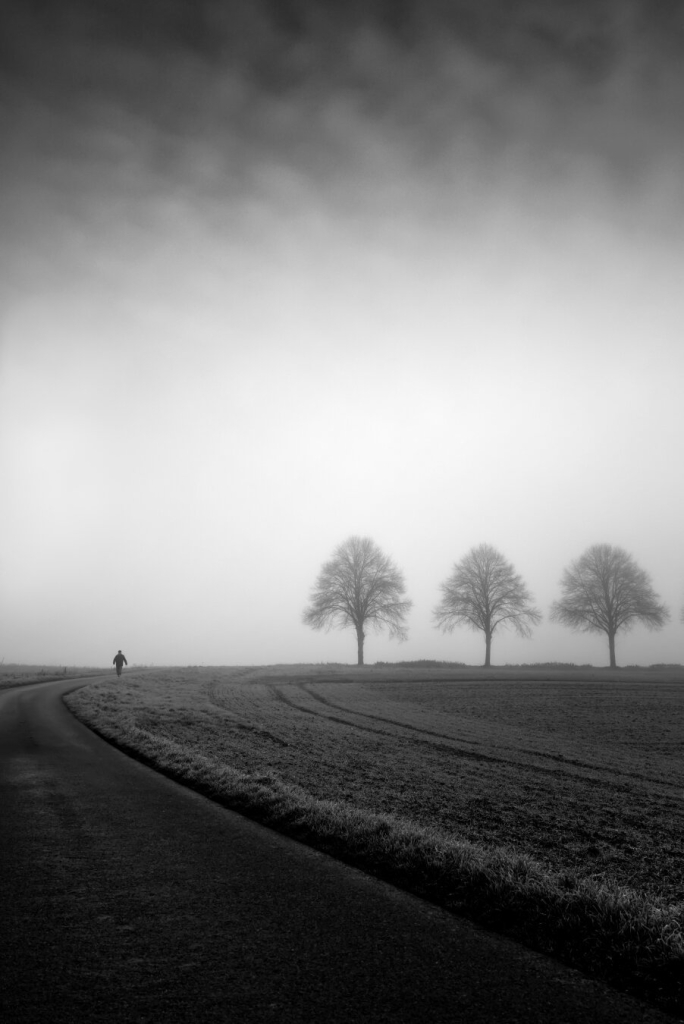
(611, 647)
(359, 639)
(488, 649)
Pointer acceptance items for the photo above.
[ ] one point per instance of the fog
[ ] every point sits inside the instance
(278, 273)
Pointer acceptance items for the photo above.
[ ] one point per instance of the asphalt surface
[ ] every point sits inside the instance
(126, 897)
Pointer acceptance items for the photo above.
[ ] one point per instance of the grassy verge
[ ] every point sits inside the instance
(608, 931)
(25, 675)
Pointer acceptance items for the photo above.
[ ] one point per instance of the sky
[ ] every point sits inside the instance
(278, 273)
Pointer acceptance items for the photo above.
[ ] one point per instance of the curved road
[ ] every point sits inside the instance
(126, 897)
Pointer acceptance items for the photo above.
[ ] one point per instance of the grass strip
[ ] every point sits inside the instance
(10, 680)
(609, 932)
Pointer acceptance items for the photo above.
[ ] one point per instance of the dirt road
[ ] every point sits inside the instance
(125, 897)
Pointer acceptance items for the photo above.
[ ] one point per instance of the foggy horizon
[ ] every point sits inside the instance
(276, 274)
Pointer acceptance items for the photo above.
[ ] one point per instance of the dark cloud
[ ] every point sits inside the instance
(281, 44)
(109, 103)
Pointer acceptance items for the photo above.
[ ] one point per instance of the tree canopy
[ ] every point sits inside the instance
(485, 592)
(359, 587)
(604, 591)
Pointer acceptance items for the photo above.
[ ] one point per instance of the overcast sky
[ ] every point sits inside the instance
(276, 273)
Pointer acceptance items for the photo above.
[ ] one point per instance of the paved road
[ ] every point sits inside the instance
(125, 897)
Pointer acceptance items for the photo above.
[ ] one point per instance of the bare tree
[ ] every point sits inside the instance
(359, 586)
(605, 590)
(485, 592)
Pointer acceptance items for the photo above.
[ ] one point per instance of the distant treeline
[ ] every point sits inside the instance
(427, 663)
(602, 591)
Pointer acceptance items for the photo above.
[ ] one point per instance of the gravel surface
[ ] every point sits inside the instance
(125, 897)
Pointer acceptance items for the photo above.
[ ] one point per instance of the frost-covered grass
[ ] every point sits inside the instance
(550, 809)
(21, 675)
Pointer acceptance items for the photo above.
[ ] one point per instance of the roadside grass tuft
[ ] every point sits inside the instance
(608, 931)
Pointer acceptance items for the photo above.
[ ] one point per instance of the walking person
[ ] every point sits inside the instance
(119, 661)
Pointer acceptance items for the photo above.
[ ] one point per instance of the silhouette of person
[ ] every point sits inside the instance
(119, 661)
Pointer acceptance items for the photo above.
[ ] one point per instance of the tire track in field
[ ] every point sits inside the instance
(280, 696)
(459, 752)
(561, 759)
(233, 720)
